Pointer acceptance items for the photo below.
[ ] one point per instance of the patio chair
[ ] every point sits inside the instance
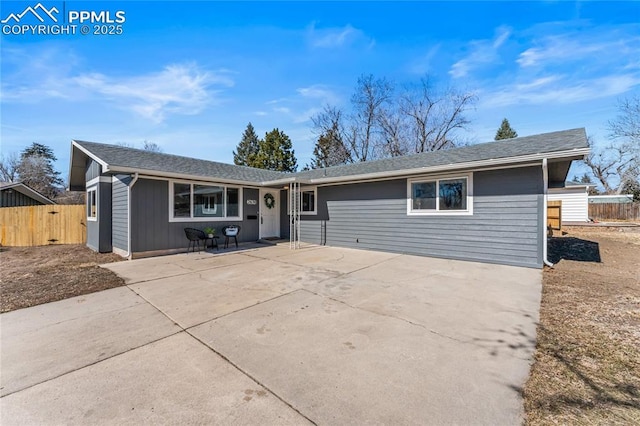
(230, 231)
(194, 236)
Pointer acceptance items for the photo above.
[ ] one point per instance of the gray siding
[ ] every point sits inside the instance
(284, 215)
(505, 226)
(99, 231)
(93, 170)
(104, 217)
(150, 226)
(120, 212)
(13, 198)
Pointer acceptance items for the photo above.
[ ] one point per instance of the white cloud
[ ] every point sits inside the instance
(422, 64)
(307, 102)
(336, 37)
(559, 89)
(482, 52)
(52, 73)
(565, 48)
(178, 89)
(318, 92)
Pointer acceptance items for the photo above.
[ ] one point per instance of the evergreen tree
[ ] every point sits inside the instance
(36, 170)
(329, 150)
(247, 147)
(505, 131)
(275, 153)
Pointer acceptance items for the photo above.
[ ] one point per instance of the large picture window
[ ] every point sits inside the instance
(440, 196)
(198, 202)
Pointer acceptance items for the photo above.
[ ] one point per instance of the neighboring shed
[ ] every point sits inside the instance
(573, 196)
(611, 199)
(17, 194)
(485, 202)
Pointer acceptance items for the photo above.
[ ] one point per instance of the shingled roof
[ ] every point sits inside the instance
(547, 143)
(123, 159)
(567, 144)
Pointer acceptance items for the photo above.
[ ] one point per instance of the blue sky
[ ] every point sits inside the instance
(189, 76)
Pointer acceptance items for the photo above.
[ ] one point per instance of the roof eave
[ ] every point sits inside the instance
(179, 176)
(569, 155)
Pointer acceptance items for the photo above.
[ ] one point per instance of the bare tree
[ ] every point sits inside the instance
(9, 167)
(367, 103)
(151, 146)
(333, 141)
(617, 166)
(35, 171)
(394, 133)
(435, 116)
(384, 124)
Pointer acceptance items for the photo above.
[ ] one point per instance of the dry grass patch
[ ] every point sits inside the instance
(587, 361)
(35, 275)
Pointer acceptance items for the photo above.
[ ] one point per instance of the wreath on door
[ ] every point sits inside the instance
(269, 200)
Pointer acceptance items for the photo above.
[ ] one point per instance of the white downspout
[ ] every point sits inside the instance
(545, 182)
(133, 182)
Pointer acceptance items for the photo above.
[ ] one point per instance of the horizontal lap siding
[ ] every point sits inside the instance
(575, 206)
(504, 227)
(120, 213)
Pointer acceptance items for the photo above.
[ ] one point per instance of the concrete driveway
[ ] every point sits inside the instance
(272, 336)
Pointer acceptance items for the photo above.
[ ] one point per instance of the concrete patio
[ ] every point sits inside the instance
(273, 336)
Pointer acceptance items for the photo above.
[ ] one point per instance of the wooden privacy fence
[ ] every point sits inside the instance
(42, 225)
(617, 211)
(554, 215)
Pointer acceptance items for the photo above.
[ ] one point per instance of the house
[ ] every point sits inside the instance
(574, 198)
(17, 194)
(484, 202)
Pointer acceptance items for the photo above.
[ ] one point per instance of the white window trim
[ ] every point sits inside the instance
(467, 212)
(315, 204)
(205, 219)
(88, 204)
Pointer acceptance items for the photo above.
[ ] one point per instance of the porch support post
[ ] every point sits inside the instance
(295, 201)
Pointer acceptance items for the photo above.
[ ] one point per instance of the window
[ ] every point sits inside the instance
(308, 202)
(233, 202)
(92, 204)
(439, 196)
(181, 200)
(208, 201)
(198, 202)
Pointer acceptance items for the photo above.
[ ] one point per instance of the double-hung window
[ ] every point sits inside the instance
(447, 195)
(202, 202)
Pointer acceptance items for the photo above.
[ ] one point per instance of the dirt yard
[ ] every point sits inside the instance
(587, 362)
(35, 275)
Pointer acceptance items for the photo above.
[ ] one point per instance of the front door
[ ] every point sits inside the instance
(269, 213)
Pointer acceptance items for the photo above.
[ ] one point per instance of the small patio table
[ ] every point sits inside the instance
(214, 242)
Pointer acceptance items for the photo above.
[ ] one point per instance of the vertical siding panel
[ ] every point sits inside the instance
(119, 223)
